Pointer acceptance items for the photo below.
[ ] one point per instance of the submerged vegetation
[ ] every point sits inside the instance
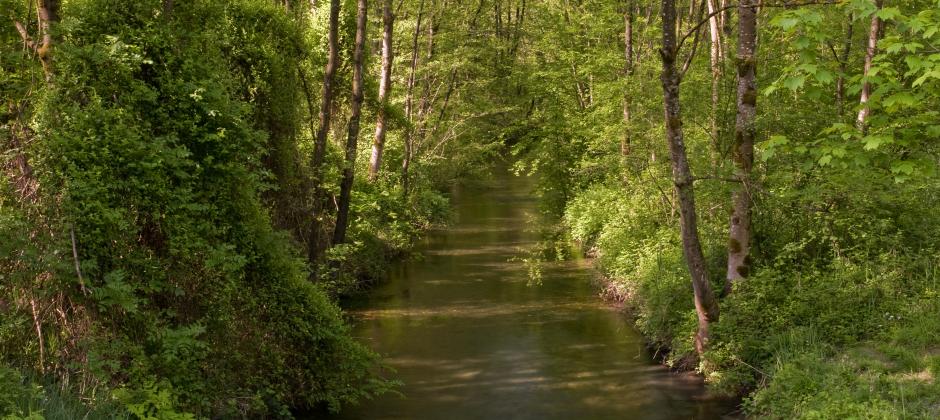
(190, 188)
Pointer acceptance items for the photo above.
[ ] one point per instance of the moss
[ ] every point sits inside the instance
(675, 123)
(745, 65)
(749, 97)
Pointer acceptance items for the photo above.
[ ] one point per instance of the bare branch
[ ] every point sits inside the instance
(27, 41)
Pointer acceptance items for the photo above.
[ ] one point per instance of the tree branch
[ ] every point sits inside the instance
(78, 267)
(734, 6)
(716, 178)
(27, 41)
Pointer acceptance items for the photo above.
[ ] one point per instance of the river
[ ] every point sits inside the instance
(471, 339)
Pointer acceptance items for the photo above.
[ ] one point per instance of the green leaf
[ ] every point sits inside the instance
(824, 76)
(770, 146)
(794, 83)
(888, 13)
(872, 142)
(117, 292)
(901, 99)
(785, 22)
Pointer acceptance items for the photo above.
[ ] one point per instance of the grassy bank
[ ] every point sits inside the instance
(850, 336)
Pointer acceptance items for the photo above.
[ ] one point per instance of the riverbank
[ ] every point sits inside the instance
(842, 343)
(512, 349)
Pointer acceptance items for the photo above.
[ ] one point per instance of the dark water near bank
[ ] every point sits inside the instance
(471, 340)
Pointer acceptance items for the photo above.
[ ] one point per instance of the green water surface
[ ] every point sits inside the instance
(471, 339)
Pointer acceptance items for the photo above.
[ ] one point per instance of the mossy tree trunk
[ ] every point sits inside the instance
(706, 307)
(739, 235)
(48, 17)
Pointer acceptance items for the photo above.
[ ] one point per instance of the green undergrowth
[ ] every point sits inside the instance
(840, 318)
(384, 230)
(157, 271)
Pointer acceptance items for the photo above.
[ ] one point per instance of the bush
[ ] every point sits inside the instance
(149, 152)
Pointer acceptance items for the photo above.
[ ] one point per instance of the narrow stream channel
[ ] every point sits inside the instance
(471, 340)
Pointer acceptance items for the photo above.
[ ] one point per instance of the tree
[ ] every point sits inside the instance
(706, 307)
(716, 56)
(326, 105)
(870, 49)
(409, 104)
(352, 138)
(739, 235)
(628, 19)
(48, 17)
(385, 86)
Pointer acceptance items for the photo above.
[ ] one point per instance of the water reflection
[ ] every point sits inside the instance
(470, 339)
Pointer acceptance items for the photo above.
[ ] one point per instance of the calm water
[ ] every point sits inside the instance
(471, 340)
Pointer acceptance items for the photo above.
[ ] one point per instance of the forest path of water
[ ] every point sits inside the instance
(470, 339)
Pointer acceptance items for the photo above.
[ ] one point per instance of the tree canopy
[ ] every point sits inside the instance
(191, 188)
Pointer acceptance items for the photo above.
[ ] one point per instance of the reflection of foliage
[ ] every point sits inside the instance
(844, 215)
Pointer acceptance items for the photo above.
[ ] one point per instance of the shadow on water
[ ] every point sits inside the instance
(471, 340)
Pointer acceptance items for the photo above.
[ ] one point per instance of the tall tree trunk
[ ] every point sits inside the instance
(714, 28)
(428, 95)
(26, 183)
(706, 307)
(409, 105)
(739, 235)
(329, 75)
(520, 19)
(843, 63)
(628, 71)
(385, 86)
(725, 17)
(326, 108)
(352, 138)
(870, 51)
(48, 17)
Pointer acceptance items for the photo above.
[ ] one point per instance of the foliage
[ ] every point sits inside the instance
(844, 214)
(160, 192)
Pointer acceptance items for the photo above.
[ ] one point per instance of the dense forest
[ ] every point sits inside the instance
(192, 188)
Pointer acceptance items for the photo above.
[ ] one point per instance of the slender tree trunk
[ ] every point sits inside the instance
(48, 17)
(706, 307)
(319, 149)
(520, 19)
(739, 235)
(714, 27)
(409, 104)
(329, 75)
(725, 17)
(342, 215)
(843, 63)
(385, 86)
(423, 114)
(870, 51)
(26, 183)
(628, 70)
(497, 18)
(590, 90)
(450, 91)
